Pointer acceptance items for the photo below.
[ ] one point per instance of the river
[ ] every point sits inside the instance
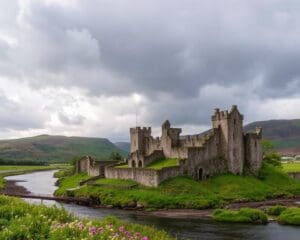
(43, 183)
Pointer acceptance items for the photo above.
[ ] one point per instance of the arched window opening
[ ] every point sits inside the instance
(133, 163)
(140, 164)
(200, 174)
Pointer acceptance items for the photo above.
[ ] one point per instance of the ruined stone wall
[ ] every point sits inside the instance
(157, 154)
(253, 151)
(169, 172)
(83, 165)
(147, 177)
(205, 161)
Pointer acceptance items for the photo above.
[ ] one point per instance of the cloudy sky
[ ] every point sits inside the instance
(85, 67)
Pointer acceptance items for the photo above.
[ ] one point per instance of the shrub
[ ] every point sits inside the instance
(276, 210)
(244, 215)
(290, 216)
(272, 158)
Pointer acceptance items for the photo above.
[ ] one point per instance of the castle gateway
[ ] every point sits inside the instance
(224, 148)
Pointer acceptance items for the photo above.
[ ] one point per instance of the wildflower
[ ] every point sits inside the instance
(121, 229)
(145, 238)
(137, 234)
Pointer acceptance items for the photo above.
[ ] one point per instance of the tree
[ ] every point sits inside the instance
(116, 156)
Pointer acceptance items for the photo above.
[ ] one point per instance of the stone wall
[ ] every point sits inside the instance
(253, 150)
(147, 177)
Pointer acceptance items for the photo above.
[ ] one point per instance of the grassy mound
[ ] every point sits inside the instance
(20, 220)
(290, 216)
(276, 210)
(185, 192)
(164, 162)
(244, 215)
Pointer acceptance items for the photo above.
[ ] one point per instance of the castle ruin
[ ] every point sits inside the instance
(224, 148)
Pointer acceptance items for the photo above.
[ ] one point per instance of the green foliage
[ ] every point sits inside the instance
(290, 216)
(267, 146)
(163, 162)
(116, 156)
(22, 221)
(276, 210)
(185, 192)
(244, 215)
(272, 158)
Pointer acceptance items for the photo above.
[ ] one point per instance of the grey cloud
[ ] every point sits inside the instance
(15, 116)
(71, 120)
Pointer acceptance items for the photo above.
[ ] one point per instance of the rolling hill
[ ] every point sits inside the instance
(46, 148)
(285, 134)
(123, 145)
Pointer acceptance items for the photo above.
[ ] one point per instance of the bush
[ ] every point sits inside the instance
(244, 215)
(290, 216)
(276, 210)
(272, 158)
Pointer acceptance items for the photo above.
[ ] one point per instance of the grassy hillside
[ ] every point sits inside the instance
(123, 145)
(56, 148)
(285, 134)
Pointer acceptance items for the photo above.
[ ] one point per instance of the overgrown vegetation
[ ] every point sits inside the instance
(244, 215)
(185, 192)
(290, 216)
(163, 162)
(20, 220)
(276, 210)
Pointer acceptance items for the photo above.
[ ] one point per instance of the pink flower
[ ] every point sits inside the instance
(145, 238)
(121, 229)
(137, 234)
(100, 230)
(92, 231)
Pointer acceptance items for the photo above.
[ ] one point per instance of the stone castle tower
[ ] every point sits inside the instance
(231, 137)
(225, 148)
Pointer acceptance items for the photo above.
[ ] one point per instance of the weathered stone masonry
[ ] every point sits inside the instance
(225, 148)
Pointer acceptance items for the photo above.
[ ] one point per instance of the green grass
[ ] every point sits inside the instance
(70, 182)
(291, 167)
(290, 216)
(185, 192)
(123, 166)
(244, 215)
(20, 220)
(275, 210)
(164, 162)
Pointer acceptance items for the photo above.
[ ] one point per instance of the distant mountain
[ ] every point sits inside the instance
(56, 148)
(123, 145)
(285, 134)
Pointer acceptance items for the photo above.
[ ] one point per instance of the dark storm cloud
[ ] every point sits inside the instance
(185, 57)
(167, 46)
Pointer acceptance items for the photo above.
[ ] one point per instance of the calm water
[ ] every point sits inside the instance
(43, 183)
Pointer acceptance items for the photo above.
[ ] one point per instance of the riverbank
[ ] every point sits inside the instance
(183, 192)
(11, 170)
(180, 227)
(20, 220)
